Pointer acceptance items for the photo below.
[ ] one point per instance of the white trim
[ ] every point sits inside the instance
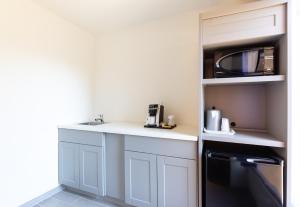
(251, 6)
(43, 197)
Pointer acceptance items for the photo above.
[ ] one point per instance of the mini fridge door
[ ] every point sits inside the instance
(241, 181)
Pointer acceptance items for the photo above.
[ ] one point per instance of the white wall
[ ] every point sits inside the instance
(294, 154)
(150, 63)
(46, 69)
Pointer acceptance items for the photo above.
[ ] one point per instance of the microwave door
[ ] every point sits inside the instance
(242, 63)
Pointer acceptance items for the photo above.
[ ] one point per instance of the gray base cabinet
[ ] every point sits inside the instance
(68, 162)
(177, 183)
(155, 172)
(81, 167)
(140, 179)
(159, 181)
(91, 169)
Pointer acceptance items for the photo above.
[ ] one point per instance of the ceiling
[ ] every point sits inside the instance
(99, 16)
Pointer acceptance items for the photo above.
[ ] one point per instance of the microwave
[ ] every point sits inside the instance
(255, 61)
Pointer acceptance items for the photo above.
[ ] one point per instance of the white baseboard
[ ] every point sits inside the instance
(43, 197)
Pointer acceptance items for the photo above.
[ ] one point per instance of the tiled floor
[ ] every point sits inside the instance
(70, 199)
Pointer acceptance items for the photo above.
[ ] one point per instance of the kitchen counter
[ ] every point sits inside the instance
(180, 132)
(114, 156)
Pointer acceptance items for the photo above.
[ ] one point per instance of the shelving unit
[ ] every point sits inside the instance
(243, 80)
(259, 103)
(243, 137)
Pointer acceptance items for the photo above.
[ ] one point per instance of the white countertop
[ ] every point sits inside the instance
(180, 132)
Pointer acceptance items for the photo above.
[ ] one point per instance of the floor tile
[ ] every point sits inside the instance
(66, 196)
(84, 202)
(53, 202)
(70, 199)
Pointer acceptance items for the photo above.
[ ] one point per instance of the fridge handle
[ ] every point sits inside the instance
(261, 160)
(220, 156)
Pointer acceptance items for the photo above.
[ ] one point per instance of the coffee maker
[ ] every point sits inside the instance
(155, 116)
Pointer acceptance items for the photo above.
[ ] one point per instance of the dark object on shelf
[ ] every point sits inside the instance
(160, 127)
(241, 62)
(209, 68)
(233, 124)
(241, 176)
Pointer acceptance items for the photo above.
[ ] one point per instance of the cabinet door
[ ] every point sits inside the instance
(245, 25)
(91, 169)
(140, 179)
(68, 161)
(177, 182)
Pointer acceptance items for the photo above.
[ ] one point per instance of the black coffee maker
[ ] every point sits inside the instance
(155, 116)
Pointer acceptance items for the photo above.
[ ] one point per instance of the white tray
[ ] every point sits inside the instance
(231, 132)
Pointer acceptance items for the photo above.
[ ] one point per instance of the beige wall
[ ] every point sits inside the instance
(46, 66)
(151, 63)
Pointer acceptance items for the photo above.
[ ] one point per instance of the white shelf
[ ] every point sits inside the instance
(243, 80)
(243, 137)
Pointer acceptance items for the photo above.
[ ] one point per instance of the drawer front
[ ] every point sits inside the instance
(247, 25)
(81, 137)
(157, 146)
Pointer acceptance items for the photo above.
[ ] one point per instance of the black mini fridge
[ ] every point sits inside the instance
(234, 179)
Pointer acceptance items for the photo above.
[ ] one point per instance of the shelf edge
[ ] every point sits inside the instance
(256, 141)
(243, 80)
